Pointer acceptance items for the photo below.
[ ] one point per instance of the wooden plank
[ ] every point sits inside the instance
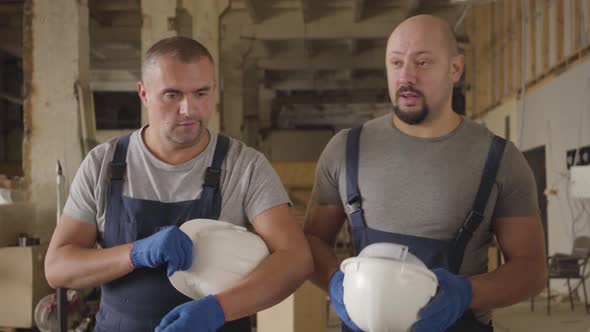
(560, 29)
(470, 63)
(509, 14)
(483, 77)
(546, 37)
(494, 52)
(576, 25)
(519, 48)
(501, 42)
(532, 34)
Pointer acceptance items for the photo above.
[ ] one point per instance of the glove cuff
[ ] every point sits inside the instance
(135, 255)
(130, 258)
(218, 315)
(467, 291)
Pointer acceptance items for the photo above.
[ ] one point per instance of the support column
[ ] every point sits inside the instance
(205, 29)
(52, 67)
(234, 52)
(159, 21)
(251, 110)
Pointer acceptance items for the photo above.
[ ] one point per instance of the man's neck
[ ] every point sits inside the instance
(432, 127)
(174, 155)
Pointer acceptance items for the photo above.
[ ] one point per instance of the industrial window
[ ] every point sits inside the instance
(117, 110)
(11, 114)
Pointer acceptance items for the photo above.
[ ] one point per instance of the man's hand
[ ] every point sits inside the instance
(170, 245)
(452, 299)
(336, 294)
(202, 315)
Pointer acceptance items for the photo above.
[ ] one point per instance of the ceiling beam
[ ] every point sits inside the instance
(329, 60)
(358, 10)
(342, 97)
(327, 84)
(118, 5)
(315, 30)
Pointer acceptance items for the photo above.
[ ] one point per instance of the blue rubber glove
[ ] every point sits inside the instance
(170, 245)
(202, 315)
(452, 299)
(336, 291)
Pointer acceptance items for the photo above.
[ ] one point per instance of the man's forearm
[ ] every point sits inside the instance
(278, 276)
(325, 262)
(517, 280)
(76, 267)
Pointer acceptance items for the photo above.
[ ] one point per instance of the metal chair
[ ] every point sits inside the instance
(569, 266)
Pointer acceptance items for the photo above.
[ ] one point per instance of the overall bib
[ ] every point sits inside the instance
(138, 301)
(434, 253)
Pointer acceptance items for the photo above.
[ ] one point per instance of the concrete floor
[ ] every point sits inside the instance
(519, 318)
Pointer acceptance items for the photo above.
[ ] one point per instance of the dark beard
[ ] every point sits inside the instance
(411, 118)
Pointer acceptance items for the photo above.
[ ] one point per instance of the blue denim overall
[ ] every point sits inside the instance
(434, 253)
(138, 301)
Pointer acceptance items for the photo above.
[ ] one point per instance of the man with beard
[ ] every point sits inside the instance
(432, 180)
(131, 194)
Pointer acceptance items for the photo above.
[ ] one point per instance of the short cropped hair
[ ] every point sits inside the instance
(180, 48)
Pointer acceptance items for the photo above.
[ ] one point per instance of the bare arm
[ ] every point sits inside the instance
(522, 242)
(321, 229)
(280, 274)
(72, 260)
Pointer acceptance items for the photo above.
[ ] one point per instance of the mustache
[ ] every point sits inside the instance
(187, 120)
(408, 89)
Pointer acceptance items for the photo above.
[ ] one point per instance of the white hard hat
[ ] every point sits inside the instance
(385, 286)
(223, 254)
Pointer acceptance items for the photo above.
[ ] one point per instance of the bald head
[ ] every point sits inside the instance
(429, 27)
(423, 64)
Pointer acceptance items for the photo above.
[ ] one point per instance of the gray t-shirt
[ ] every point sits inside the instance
(249, 185)
(426, 187)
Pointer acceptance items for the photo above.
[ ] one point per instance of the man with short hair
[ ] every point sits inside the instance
(131, 194)
(428, 178)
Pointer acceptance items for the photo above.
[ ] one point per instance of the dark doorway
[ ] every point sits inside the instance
(536, 159)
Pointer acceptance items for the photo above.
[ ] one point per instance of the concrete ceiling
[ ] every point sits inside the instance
(319, 54)
(306, 49)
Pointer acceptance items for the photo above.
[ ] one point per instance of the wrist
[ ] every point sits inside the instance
(221, 313)
(331, 272)
(469, 290)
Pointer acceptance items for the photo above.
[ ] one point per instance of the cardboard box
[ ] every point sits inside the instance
(22, 284)
(15, 219)
(304, 311)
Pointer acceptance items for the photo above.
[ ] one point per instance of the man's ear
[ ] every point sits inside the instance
(142, 93)
(457, 66)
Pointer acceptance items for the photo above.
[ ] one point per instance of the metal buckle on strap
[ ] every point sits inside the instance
(469, 227)
(212, 176)
(473, 221)
(353, 204)
(117, 170)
